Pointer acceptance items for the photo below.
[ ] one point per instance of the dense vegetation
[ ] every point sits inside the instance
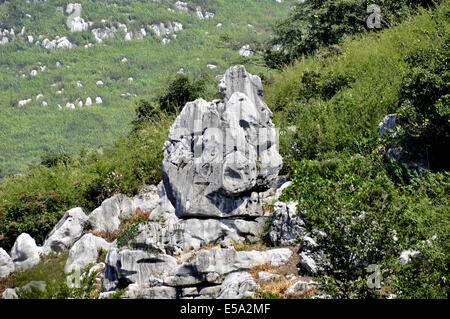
(327, 105)
(371, 209)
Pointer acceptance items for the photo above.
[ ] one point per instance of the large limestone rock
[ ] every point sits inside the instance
(6, 264)
(25, 253)
(207, 267)
(68, 230)
(219, 155)
(85, 252)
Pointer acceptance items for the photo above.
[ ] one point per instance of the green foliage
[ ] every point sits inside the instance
(51, 268)
(34, 213)
(425, 111)
(117, 294)
(53, 159)
(87, 288)
(266, 295)
(319, 23)
(145, 111)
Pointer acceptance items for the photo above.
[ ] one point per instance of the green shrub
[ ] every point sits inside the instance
(368, 219)
(425, 104)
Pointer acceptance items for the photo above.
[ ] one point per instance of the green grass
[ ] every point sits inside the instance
(50, 269)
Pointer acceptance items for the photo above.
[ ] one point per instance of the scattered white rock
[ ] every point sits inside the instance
(99, 82)
(33, 72)
(238, 285)
(308, 263)
(10, 293)
(407, 256)
(246, 51)
(25, 253)
(98, 100)
(300, 287)
(24, 102)
(88, 101)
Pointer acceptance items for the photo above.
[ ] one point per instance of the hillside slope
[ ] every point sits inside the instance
(120, 54)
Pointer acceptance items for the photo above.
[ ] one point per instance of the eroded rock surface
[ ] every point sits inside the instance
(219, 155)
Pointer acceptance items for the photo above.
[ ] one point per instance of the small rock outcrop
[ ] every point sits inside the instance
(238, 285)
(68, 230)
(286, 226)
(25, 253)
(108, 216)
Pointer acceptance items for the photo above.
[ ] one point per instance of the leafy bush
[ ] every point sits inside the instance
(33, 213)
(52, 159)
(180, 91)
(425, 110)
(333, 103)
(361, 217)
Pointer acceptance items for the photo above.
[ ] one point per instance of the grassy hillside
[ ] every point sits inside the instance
(29, 131)
(370, 210)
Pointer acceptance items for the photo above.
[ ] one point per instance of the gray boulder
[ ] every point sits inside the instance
(407, 256)
(6, 264)
(308, 262)
(136, 267)
(108, 216)
(85, 252)
(68, 230)
(226, 260)
(220, 154)
(25, 253)
(206, 267)
(10, 293)
(238, 285)
(300, 287)
(388, 126)
(286, 226)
